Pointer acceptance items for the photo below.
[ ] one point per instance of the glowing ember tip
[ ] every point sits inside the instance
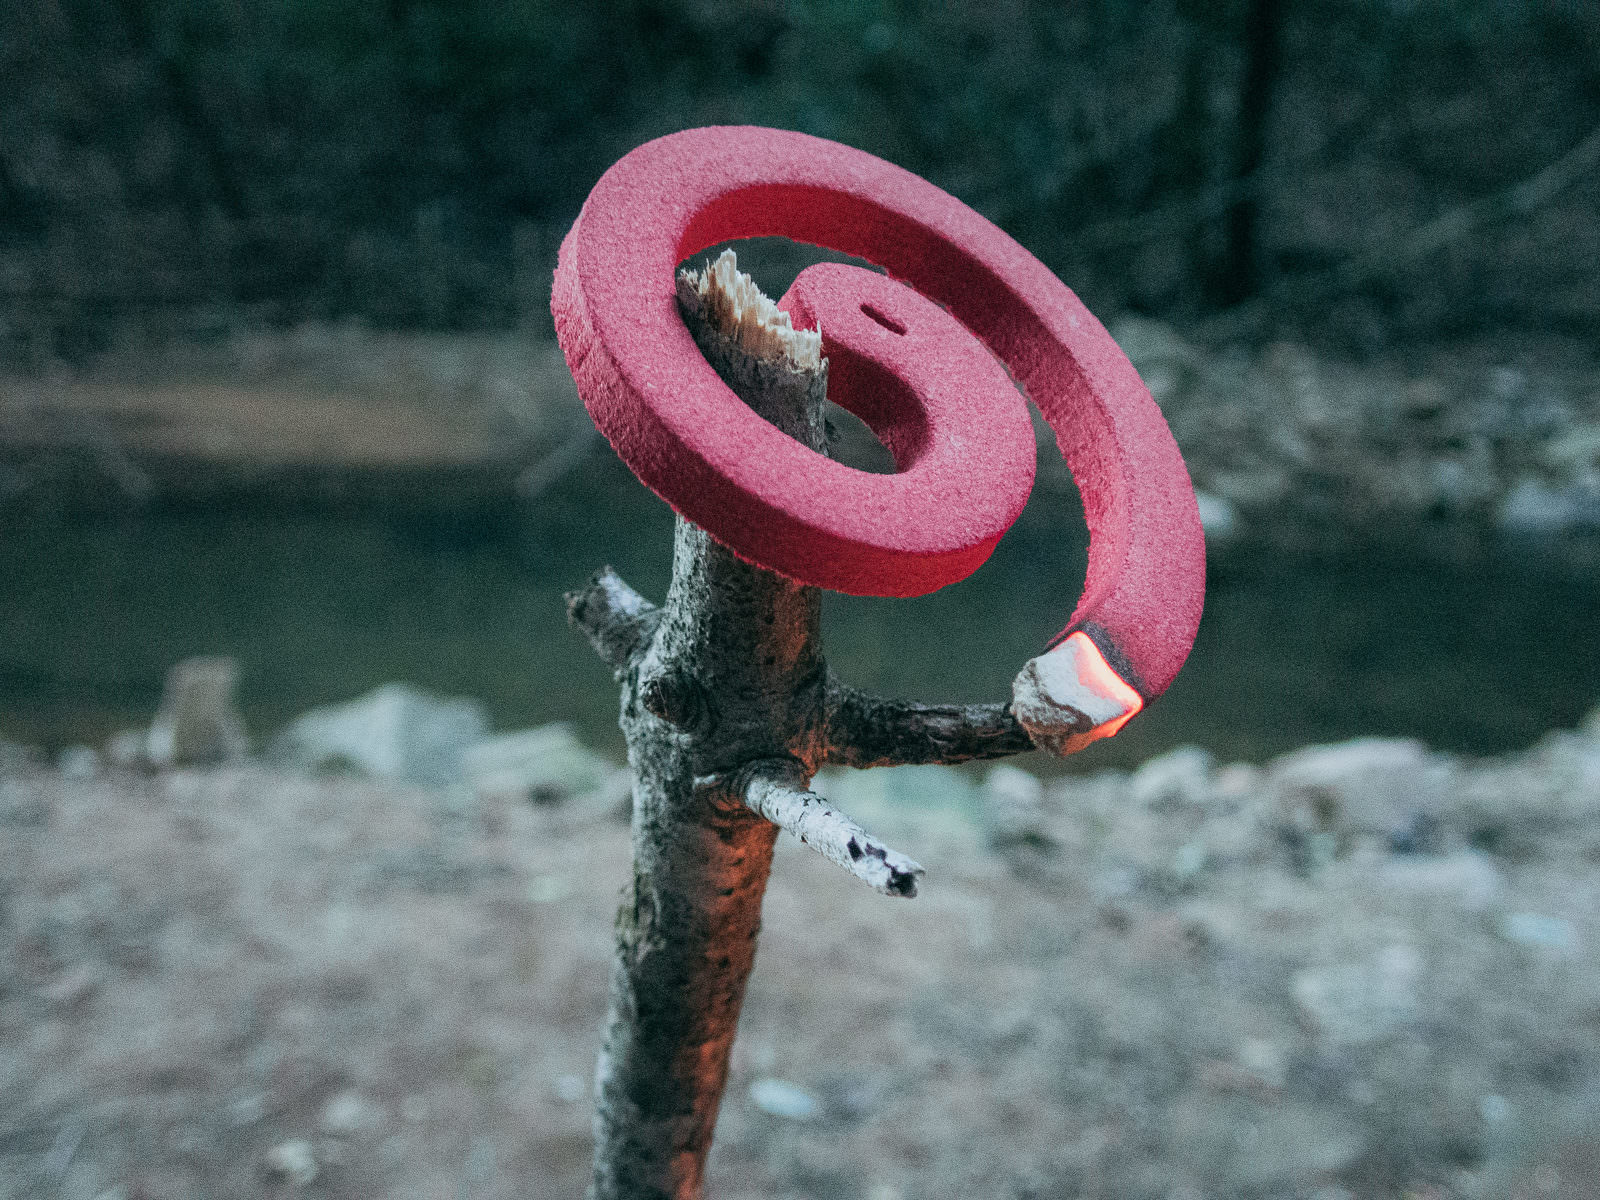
(1071, 696)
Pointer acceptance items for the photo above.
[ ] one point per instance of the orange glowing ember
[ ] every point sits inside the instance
(1071, 696)
(1095, 675)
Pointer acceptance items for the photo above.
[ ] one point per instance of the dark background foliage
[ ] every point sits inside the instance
(178, 167)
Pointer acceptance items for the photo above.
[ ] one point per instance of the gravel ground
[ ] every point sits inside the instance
(1360, 970)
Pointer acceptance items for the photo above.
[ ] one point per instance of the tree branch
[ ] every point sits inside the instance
(725, 673)
(617, 620)
(777, 791)
(863, 730)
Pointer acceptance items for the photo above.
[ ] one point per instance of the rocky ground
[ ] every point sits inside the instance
(1438, 450)
(1362, 970)
(372, 961)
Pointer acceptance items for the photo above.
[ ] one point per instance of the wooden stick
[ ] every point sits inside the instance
(728, 709)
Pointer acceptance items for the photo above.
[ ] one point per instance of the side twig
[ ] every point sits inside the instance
(777, 791)
(617, 620)
(864, 730)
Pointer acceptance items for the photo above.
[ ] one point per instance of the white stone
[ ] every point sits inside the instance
(549, 889)
(1367, 785)
(541, 766)
(1012, 784)
(1468, 879)
(1353, 1003)
(780, 1098)
(1534, 507)
(73, 985)
(1178, 777)
(1219, 517)
(570, 1089)
(1538, 931)
(1265, 1060)
(295, 1160)
(349, 1114)
(1013, 807)
(246, 1108)
(396, 731)
(1577, 448)
(79, 762)
(1297, 1143)
(198, 721)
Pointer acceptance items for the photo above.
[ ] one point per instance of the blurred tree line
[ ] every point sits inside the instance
(176, 167)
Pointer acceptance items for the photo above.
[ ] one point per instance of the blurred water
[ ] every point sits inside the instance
(318, 608)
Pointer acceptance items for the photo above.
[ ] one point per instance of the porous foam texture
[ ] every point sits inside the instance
(781, 505)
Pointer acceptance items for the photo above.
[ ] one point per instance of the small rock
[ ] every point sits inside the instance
(1378, 786)
(1013, 809)
(1178, 778)
(1264, 1060)
(1285, 1148)
(1296, 1144)
(1508, 383)
(570, 1089)
(295, 1160)
(395, 731)
(1355, 1003)
(72, 986)
(21, 804)
(126, 748)
(1533, 508)
(15, 759)
(78, 762)
(480, 1162)
(1419, 835)
(1219, 518)
(546, 765)
(1579, 447)
(780, 1098)
(198, 721)
(350, 1115)
(246, 1108)
(1538, 931)
(549, 889)
(1187, 862)
(1468, 880)
(1237, 781)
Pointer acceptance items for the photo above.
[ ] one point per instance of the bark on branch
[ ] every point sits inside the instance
(615, 618)
(727, 672)
(863, 730)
